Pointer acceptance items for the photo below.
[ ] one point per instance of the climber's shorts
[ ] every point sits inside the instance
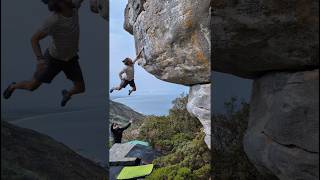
(52, 67)
(124, 83)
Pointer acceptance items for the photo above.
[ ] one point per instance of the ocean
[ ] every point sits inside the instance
(148, 104)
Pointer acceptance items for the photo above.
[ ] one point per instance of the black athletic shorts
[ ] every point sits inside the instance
(124, 83)
(53, 67)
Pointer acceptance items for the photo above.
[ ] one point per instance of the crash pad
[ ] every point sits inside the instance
(135, 171)
(136, 142)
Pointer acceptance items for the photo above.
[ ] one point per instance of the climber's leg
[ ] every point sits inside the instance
(26, 85)
(45, 72)
(122, 85)
(73, 72)
(133, 86)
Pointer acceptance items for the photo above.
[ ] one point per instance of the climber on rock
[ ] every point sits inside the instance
(62, 55)
(117, 131)
(127, 74)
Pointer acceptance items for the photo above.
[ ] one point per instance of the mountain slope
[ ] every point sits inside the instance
(122, 113)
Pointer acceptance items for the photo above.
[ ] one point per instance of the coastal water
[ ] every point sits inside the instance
(159, 104)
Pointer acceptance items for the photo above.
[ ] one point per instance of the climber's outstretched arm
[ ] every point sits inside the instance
(138, 56)
(126, 127)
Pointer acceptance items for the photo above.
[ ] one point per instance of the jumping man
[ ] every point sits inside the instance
(62, 55)
(127, 74)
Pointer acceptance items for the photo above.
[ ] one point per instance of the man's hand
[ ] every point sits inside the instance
(131, 120)
(42, 63)
(138, 56)
(94, 6)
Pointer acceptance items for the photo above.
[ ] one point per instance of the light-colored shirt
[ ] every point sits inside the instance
(128, 73)
(65, 32)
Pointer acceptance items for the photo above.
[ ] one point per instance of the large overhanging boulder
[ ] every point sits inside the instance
(283, 133)
(251, 38)
(175, 36)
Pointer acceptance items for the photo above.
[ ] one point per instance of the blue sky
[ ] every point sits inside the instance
(121, 46)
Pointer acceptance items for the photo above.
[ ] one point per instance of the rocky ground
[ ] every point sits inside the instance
(26, 154)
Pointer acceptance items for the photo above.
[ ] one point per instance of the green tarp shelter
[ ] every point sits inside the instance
(136, 142)
(135, 171)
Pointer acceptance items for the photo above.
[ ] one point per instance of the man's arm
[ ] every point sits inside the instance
(121, 72)
(35, 42)
(126, 127)
(138, 56)
(94, 6)
(112, 127)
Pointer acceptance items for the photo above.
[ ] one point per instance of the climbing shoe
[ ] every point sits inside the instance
(65, 98)
(130, 91)
(8, 92)
(111, 90)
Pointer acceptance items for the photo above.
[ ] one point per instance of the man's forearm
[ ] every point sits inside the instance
(37, 49)
(120, 75)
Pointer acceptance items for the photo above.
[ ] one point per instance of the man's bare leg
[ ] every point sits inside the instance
(78, 88)
(25, 85)
(118, 88)
(132, 90)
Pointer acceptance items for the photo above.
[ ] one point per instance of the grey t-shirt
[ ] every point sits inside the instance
(64, 32)
(128, 73)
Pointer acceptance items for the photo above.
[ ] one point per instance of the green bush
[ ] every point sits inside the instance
(167, 132)
(178, 136)
(229, 159)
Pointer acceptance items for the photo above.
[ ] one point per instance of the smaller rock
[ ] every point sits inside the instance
(199, 105)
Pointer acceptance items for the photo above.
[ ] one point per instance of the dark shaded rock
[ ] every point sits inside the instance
(26, 154)
(283, 132)
(257, 36)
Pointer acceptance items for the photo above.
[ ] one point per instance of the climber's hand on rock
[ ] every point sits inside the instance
(94, 6)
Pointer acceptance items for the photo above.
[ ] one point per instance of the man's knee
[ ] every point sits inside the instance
(33, 85)
(80, 86)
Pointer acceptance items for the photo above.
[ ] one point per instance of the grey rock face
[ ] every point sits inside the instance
(175, 37)
(257, 36)
(283, 133)
(132, 11)
(199, 103)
